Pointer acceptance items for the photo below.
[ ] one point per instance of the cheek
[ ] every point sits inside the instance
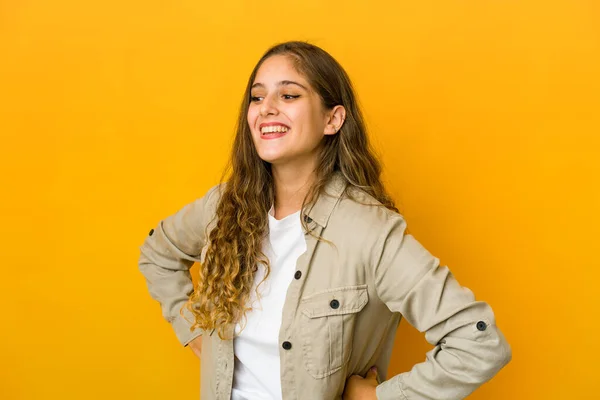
(310, 116)
(312, 124)
(252, 114)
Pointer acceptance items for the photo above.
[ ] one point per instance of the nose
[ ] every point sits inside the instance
(268, 107)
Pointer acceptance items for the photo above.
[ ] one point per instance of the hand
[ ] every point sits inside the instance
(196, 346)
(359, 388)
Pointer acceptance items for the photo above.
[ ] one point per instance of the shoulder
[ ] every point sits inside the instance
(361, 223)
(203, 208)
(363, 209)
(212, 196)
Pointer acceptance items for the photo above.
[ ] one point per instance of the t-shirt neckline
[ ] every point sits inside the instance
(285, 222)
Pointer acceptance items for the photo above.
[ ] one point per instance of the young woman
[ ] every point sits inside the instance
(307, 266)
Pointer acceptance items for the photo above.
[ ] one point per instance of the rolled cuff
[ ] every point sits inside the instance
(181, 326)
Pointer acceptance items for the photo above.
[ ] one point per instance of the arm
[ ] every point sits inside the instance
(167, 255)
(469, 348)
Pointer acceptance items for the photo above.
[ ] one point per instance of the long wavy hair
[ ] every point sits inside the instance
(226, 275)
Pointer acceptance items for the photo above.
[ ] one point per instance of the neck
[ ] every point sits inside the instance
(291, 186)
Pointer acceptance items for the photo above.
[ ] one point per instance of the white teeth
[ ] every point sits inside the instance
(275, 128)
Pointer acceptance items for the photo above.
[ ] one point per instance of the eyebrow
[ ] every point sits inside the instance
(281, 83)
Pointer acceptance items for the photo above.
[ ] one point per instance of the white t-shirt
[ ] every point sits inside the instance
(256, 371)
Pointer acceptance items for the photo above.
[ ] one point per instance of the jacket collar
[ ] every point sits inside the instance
(321, 210)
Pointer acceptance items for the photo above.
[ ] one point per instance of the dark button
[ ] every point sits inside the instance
(334, 304)
(286, 345)
(298, 275)
(481, 326)
(151, 232)
(307, 219)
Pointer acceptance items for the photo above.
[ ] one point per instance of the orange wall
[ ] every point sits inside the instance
(115, 114)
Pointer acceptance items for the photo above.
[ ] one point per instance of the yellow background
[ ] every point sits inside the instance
(115, 114)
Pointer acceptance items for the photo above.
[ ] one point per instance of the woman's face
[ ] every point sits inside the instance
(286, 116)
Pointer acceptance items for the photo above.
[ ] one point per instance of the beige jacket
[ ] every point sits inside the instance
(343, 305)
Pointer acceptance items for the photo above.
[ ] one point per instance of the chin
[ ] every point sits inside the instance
(273, 158)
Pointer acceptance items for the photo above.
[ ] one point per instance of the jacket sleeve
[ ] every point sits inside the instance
(469, 349)
(166, 257)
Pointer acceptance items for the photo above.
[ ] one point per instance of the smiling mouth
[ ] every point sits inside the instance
(273, 135)
(273, 130)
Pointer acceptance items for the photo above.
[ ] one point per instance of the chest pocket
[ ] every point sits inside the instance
(327, 329)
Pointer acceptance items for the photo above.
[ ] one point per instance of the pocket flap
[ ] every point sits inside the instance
(335, 301)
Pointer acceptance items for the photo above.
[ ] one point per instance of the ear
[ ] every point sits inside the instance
(335, 120)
